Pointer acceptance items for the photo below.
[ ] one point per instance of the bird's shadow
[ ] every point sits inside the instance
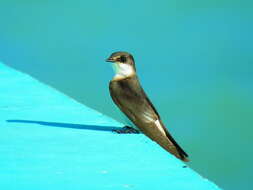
(68, 125)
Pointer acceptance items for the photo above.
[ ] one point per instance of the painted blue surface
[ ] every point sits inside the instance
(49, 141)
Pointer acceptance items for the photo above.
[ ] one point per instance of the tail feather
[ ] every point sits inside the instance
(183, 155)
(165, 140)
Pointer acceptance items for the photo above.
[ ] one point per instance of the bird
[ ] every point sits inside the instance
(128, 94)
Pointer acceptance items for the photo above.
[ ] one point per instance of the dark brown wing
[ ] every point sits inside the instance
(182, 153)
(129, 96)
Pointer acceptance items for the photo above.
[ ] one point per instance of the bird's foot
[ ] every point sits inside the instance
(126, 130)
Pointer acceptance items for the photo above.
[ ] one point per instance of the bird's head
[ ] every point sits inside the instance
(123, 64)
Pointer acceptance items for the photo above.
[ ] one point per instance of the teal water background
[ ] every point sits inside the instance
(194, 59)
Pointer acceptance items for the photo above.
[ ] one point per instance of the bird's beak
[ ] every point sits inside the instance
(110, 60)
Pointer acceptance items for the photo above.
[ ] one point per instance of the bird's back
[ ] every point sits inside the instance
(130, 97)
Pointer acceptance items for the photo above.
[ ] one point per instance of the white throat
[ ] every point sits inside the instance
(122, 70)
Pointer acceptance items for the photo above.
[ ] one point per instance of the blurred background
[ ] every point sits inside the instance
(194, 59)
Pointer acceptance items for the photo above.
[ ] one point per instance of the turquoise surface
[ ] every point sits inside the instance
(194, 60)
(49, 141)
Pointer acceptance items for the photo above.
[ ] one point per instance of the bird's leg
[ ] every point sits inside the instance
(126, 130)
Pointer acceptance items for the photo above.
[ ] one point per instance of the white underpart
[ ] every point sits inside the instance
(157, 122)
(148, 117)
(122, 70)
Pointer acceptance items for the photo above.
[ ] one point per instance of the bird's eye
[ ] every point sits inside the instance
(122, 59)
